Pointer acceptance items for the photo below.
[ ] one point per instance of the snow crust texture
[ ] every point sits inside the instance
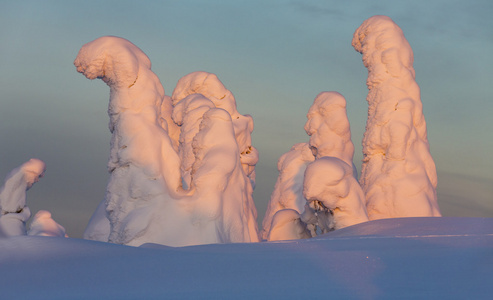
(181, 167)
(398, 173)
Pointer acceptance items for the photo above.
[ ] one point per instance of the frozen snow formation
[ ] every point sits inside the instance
(43, 225)
(14, 211)
(334, 194)
(328, 127)
(162, 188)
(210, 87)
(398, 173)
(288, 225)
(330, 136)
(288, 191)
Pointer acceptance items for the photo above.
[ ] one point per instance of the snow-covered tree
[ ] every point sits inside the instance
(288, 191)
(398, 173)
(334, 194)
(330, 135)
(328, 128)
(13, 207)
(147, 199)
(209, 86)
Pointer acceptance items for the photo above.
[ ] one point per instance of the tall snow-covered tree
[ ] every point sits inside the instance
(398, 173)
(146, 200)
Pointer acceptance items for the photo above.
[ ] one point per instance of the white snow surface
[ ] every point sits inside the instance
(400, 258)
(398, 174)
(168, 184)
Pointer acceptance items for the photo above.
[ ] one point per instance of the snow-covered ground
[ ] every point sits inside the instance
(411, 258)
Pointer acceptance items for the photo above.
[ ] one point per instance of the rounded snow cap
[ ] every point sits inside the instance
(113, 59)
(210, 86)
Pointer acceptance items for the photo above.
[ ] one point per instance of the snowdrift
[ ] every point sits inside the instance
(415, 258)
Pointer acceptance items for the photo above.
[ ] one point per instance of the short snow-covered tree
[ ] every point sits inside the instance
(330, 136)
(14, 210)
(398, 173)
(288, 191)
(151, 197)
(334, 194)
(13, 206)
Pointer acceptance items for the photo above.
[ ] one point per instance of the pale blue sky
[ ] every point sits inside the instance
(275, 56)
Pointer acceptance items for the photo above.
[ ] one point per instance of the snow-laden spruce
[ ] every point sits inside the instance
(334, 194)
(328, 128)
(288, 191)
(147, 198)
(398, 173)
(209, 86)
(330, 136)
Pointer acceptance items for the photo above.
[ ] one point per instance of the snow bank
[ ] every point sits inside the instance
(160, 189)
(14, 211)
(398, 173)
(415, 258)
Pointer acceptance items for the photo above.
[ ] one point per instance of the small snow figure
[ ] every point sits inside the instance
(14, 212)
(334, 194)
(398, 174)
(44, 225)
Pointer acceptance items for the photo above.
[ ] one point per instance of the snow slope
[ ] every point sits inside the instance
(414, 258)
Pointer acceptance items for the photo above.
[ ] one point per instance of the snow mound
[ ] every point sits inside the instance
(418, 227)
(43, 225)
(450, 264)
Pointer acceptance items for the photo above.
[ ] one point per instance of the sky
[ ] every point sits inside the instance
(274, 56)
